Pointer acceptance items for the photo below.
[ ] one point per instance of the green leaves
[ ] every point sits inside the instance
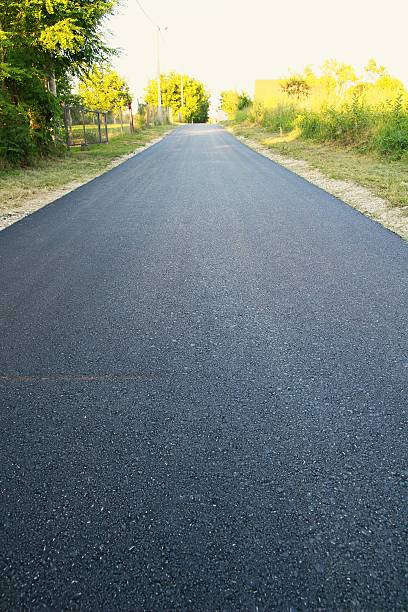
(66, 33)
(185, 95)
(231, 101)
(63, 35)
(104, 89)
(12, 72)
(42, 44)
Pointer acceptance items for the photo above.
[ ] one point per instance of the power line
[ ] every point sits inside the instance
(159, 35)
(146, 14)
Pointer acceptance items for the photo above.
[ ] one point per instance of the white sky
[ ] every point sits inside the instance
(228, 44)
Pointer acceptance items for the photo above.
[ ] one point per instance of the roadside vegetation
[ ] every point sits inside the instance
(55, 67)
(368, 112)
(102, 88)
(185, 96)
(350, 127)
(44, 45)
(56, 83)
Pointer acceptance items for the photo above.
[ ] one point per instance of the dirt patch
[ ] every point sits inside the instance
(360, 198)
(42, 197)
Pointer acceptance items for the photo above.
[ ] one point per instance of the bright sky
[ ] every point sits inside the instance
(228, 44)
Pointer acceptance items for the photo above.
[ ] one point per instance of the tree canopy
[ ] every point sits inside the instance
(232, 100)
(338, 80)
(43, 43)
(53, 34)
(104, 89)
(185, 95)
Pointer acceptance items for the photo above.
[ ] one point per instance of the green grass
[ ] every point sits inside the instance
(91, 132)
(384, 177)
(22, 185)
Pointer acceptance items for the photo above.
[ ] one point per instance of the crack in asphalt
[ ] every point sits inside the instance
(73, 377)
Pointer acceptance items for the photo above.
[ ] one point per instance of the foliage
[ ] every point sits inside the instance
(282, 116)
(232, 101)
(392, 135)
(229, 102)
(369, 112)
(104, 89)
(342, 74)
(244, 100)
(55, 34)
(373, 71)
(15, 137)
(296, 86)
(349, 124)
(196, 100)
(42, 43)
(29, 124)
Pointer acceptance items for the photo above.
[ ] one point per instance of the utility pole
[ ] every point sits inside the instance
(159, 102)
(182, 90)
(158, 29)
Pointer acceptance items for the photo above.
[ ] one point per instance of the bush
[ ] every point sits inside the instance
(360, 126)
(309, 124)
(351, 124)
(392, 136)
(31, 128)
(241, 116)
(370, 115)
(281, 116)
(139, 121)
(16, 144)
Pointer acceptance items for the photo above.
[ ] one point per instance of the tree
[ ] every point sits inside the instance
(342, 74)
(296, 86)
(231, 101)
(42, 43)
(104, 89)
(373, 71)
(244, 100)
(389, 86)
(196, 99)
(309, 76)
(54, 35)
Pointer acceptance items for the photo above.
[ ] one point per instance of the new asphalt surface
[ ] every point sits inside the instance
(203, 376)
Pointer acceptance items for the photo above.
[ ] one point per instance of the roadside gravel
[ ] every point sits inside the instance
(357, 196)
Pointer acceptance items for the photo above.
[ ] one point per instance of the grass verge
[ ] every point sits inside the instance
(23, 190)
(375, 186)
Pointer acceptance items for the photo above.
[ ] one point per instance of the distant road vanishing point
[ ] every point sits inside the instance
(203, 375)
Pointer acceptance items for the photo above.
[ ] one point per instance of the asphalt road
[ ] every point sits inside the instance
(203, 375)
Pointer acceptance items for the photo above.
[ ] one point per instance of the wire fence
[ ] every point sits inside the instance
(84, 126)
(120, 122)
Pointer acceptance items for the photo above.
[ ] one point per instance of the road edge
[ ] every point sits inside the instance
(50, 196)
(358, 197)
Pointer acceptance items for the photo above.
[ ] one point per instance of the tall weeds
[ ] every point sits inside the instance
(366, 117)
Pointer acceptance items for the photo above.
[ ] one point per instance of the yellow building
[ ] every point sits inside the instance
(267, 91)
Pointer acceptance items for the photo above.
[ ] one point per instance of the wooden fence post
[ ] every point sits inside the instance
(98, 116)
